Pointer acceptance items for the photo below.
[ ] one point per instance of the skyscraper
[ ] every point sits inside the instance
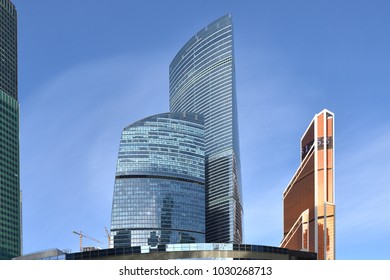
(309, 199)
(10, 234)
(159, 192)
(202, 80)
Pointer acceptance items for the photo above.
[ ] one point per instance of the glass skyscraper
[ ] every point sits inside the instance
(10, 226)
(159, 191)
(202, 80)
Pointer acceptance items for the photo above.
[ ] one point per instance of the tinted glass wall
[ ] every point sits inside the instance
(202, 80)
(159, 192)
(10, 234)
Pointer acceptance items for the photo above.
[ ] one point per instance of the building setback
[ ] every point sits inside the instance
(309, 199)
(202, 80)
(10, 204)
(159, 192)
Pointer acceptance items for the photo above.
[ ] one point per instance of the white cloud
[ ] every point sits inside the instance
(70, 131)
(362, 188)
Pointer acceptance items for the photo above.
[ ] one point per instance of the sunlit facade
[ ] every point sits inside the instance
(159, 192)
(309, 199)
(202, 80)
(10, 212)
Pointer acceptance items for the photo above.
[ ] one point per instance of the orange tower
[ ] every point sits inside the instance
(309, 199)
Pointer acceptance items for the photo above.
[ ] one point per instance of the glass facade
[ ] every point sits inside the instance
(198, 251)
(10, 205)
(49, 255)
(159, 192)
(8, 49)
(202, 80)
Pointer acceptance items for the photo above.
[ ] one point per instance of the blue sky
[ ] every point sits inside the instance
(89, 68)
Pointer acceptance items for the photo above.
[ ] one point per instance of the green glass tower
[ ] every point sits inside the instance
(10, 209)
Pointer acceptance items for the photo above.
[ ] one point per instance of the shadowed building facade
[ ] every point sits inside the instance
(159, 192)
(202, 80)
(10, 204)
(309, 199)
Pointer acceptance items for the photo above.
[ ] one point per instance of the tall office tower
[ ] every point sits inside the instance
(309, 199)
(10, 228)
(202, 80)
(159, 192)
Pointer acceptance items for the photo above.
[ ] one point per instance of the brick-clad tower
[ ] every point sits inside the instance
(308, 201)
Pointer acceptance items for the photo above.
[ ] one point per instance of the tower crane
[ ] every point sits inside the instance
(108, 237)
(81, 235)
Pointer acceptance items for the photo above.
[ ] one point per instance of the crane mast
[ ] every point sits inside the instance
(81, 235)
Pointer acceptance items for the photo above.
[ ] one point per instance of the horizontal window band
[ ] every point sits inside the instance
(159, 177)
(119, 230)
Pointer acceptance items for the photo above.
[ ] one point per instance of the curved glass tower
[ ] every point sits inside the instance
(202, 80)
(159, 192)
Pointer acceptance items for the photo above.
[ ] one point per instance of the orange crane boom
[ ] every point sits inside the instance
(81, 235)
